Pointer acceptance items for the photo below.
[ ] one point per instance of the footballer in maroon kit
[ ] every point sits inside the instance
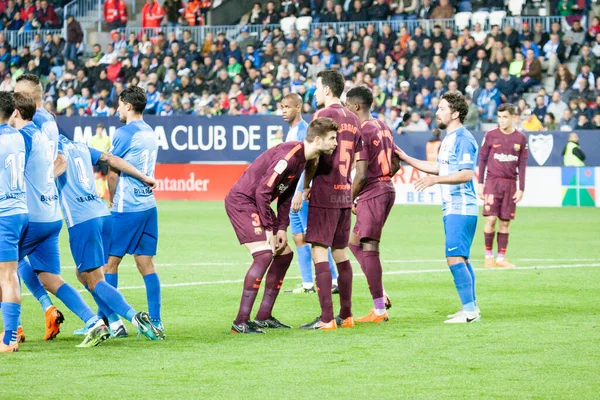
(274, 174)
(330, 211)
(374, 193)
(504, 154)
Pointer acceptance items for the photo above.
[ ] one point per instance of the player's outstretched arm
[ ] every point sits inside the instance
(462, 176)
(362, 167)
(60, 165)
(119, 164)
(429, 167)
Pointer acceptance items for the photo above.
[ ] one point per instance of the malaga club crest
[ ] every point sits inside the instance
(540, 147)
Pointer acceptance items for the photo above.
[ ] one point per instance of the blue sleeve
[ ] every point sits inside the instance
(300, 187)
(121, 143)
(466, 153)
(302, 129)
(60, 147)
(95, 155)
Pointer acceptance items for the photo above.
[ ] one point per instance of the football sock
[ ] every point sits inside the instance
(10, 315)
(489, 243)
(358, 252)
(464, 285)
(374, 272)
(152, 295)
(113, 280)
(345, 288)
(273, 283)
(305, 263)
(472, 273)
(502, 244)
(114, 300)
(379, 306)
(32, 281)
(74, 302)
(334, 273)
(262, 260)
(323, 279)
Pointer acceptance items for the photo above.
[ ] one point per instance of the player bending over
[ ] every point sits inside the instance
(376, 164)
(330, 210)
(291, 107)
(274, 174)
(454, 172)
(13, 222)
(90, 226)
(504, 156)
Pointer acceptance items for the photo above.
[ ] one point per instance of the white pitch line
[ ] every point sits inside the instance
(400, 272)
(236, 263)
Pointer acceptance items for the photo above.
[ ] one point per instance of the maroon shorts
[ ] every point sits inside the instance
(498, 198)
(245, 220)
(329, 226)
(371, 215)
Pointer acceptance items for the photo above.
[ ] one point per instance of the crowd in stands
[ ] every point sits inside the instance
(407, 72)
(30, 15)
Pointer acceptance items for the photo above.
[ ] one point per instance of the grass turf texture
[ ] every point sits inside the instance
(539, 337)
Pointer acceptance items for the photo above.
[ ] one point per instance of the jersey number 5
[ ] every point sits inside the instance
(346, 147)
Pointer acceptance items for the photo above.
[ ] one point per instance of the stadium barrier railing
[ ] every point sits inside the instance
(232, 32)
(21, 39)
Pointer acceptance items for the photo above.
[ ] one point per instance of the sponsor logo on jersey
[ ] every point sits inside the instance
(282, 188)
(505, 157)
(281, 166)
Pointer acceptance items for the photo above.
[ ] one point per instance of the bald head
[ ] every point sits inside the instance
(573, 137)
(30, 85)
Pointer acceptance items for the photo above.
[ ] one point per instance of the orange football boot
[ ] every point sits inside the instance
(504, 264)
(489, 262)
(344, 323)
(326, 326)
(373, 318)
(10, 348)
(53, 320)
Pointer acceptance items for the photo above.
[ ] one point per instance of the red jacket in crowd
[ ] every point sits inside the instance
(48, 16)
(114, 11)
(152, 15)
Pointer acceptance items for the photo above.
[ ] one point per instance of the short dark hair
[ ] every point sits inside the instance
(136, 96)
(7, 105)
(25, 104)
(362, 95)
(320, 127)
(334, 80)
(295, 97)
(33, 79)
(457, 103)
(509, 108)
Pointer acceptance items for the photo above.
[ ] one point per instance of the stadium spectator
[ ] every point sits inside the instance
(443, 11)
(74, 38)
(358, 13)
(270, 16)
(173, 8)
(115, 14)
(47, 16)
(152, 14)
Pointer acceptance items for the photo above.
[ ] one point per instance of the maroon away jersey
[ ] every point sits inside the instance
(332, 184)
(505, 156)
(378, 151)
(274, 174)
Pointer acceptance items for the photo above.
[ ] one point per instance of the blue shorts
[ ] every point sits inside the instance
(12, 229)
(299, 220)
(134, 233)
(89, 243)
(40, 245)
(460, 231)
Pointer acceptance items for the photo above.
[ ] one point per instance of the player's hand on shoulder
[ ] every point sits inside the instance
(280, 242)
(425, 182)
(297, 202)
(400, 153)
(518, 196)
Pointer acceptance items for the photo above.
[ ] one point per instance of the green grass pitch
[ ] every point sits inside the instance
(539, 336)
